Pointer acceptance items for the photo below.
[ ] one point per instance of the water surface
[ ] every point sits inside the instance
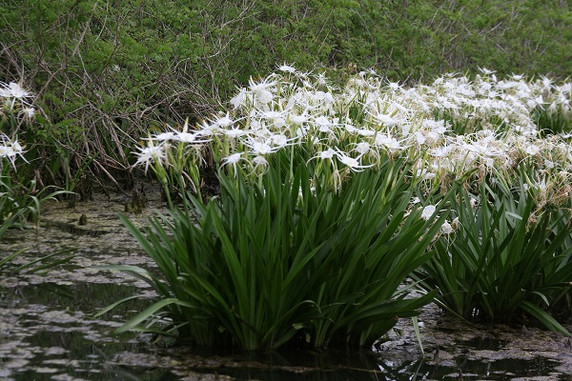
(48, 332)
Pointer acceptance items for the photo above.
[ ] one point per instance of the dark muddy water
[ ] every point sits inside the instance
(48, 332)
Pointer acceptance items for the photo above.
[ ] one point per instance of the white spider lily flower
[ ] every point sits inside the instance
(11, 149)
(271, 114)
(532, 103)
(164, 136)
(188, 137)
(224, 121)
(322, 79)
(328, 98)
(14, 92)
(280, 140)
(234, 133)
(366, 132)
(7, 152)
(428, 212)
(18, 150)
(532, 149)
(437, 126)
(324, 123)
(362, 148)
(298, 119)
(207, 129)
(446, 228)
(259, 162)
(394, 86)
(16, 147)
(389, 142)
(287, 68)
(327, 154)
(352, 163)
(150, 154)
(428, 175)
(547, 83)
(386, 120)
(261, 91)
(17, 91)
(261, 148)
(239, 99)
(348, 160)
(232, 159)
(28, 113)
(441, 151)
(350, 128)
(275, 117)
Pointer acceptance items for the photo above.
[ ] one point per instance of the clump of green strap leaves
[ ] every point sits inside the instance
(285, 259)
(509, 257)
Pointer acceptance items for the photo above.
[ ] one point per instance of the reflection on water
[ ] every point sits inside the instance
(48, 334)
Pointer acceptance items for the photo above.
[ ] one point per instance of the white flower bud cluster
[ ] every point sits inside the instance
(453, 127)
(14, 101)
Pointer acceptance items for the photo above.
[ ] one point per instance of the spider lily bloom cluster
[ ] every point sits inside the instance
(15, 109)
(10, 149)
(397, 172)
(175, 157)
(14, 97)
(450, 129)
(19, 197)
(281, 259)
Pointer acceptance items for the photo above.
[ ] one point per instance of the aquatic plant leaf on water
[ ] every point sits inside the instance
(543, 317)
(38, 264)
(7, 260)
(148, 312)
(45, 264)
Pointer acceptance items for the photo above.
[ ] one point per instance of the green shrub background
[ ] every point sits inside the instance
(105, 71)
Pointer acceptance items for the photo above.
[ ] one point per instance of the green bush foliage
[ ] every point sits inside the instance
(105, 71)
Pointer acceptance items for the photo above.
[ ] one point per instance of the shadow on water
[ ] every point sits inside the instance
(86, 297)
(100, 375)
(58, 338)
(364, 366)
(493, 370)
(75, 230)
